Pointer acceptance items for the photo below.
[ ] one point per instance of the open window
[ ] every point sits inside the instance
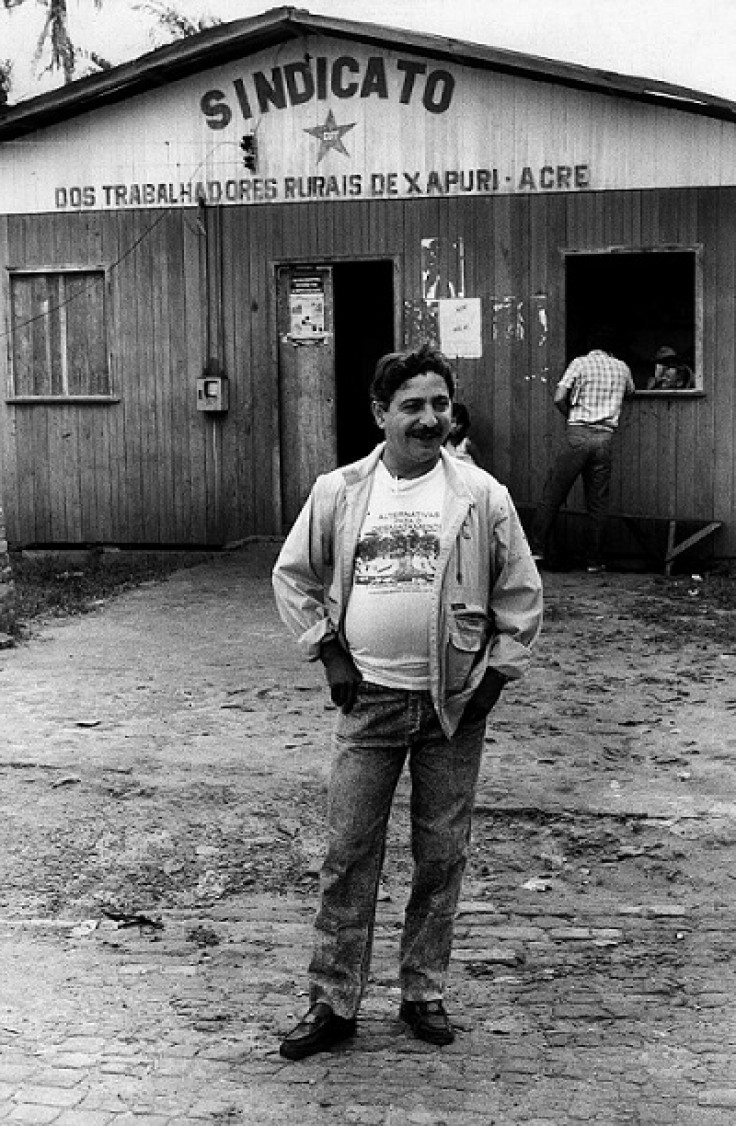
(59, 334)
(651, 301)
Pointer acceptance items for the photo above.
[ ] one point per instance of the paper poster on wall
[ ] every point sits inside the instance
(306, 308)
(460, 328)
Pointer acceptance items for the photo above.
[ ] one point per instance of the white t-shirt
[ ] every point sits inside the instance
(388, 613)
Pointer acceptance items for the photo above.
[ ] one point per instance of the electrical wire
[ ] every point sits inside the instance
(14, 328)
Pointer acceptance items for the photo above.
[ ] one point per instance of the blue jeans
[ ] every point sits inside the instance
(372, 744)
(588, 453)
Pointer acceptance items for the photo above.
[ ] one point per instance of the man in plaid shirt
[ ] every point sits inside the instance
(589, 395)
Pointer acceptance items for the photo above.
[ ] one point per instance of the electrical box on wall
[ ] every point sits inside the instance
(213, 393)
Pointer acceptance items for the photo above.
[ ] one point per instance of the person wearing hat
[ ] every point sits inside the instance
(670, 374)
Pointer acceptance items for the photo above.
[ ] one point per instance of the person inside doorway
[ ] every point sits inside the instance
(408, 575)
(458, 442)
(670, 373)
(590, 396)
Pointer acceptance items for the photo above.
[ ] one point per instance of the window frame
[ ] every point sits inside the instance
(696, 249)
(62, 270)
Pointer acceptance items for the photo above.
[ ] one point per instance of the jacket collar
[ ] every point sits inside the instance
(358, 470)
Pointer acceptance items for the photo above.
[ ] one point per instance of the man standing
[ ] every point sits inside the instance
(589, 395)
(408, 575)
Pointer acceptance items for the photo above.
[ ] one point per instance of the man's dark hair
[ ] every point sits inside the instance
(461, 417)
(396, 368)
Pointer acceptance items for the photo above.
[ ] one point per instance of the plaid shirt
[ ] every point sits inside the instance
(596, 386)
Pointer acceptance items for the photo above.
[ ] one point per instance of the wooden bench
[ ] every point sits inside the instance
(675, 549)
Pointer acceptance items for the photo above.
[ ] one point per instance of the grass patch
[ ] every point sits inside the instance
(61, 584)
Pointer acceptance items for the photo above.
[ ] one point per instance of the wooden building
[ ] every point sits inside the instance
(203, 252)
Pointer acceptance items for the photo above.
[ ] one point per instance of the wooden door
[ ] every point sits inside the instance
(306, 381)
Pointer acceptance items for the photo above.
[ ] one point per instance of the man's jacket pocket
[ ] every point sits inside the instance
(469, 628)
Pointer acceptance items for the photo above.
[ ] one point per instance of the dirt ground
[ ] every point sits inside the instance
(167, 754)
(183, 758)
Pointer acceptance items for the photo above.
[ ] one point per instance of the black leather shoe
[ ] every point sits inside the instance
(318, 1031)
(428, 1020)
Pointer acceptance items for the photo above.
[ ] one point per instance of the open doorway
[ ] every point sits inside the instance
(364, 331)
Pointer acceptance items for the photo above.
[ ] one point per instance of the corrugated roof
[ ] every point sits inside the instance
(238, 40)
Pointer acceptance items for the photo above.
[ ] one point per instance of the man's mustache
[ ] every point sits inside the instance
(426, 432)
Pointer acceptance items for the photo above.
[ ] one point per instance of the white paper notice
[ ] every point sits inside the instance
(460, 325)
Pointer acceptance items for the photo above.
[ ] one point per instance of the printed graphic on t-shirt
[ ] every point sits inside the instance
(399, 551)
(397, 561)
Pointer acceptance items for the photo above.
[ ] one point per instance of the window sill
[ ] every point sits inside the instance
(64, 400)
(651, 393)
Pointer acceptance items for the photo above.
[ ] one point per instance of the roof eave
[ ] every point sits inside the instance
(226, 42)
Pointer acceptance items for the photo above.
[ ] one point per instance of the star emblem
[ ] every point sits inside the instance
(330, 136)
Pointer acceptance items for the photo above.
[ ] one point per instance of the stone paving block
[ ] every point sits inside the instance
(570, 934)
(15, 1073)
(58, 1077)
(183, 1049)
(505, 956)
(143, 1118)
(511, 933)
(168, 1110)
(701, 1116)
(544, 914)
(87, 1045)
(173, 1068)
(121, 1067)
(120, 1050)
(108, 1095)
(720, 1097)
(34, 1114)
(470, 908)
(709, 1000)
(78, 1117)
(52, 1096)
(76, 1061)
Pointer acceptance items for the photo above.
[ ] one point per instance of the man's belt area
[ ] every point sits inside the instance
(594, 426)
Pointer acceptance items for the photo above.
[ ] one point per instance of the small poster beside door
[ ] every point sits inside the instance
(307, 308)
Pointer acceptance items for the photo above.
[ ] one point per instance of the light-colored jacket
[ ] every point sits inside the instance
(486, 596)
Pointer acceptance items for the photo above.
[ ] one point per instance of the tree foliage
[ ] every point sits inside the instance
(57, 51)
(173, 21)
(6, 71)
(55, 38)
(55, 42)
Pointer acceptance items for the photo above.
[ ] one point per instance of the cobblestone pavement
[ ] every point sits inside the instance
(161, 772)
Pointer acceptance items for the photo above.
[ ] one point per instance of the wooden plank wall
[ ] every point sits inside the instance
(185, 286)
